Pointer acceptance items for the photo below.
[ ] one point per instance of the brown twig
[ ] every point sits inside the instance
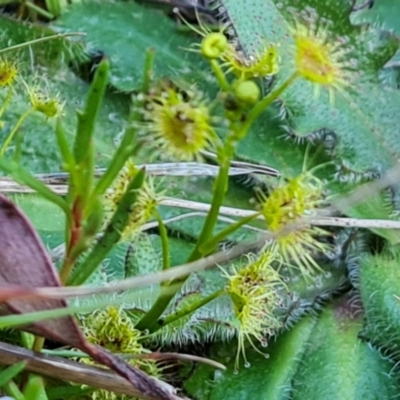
(56, 367)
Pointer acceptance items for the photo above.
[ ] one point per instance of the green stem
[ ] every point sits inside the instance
(39, 10)
(263, 104)
(164, 241)
(219, 74)
(122, 154)
(27, 339)
(220, 188)
(38, 343)
(40, 40)
(9, 373)
(185, 311)
(18, 144)
(66, 153)
(87, 118)
(71, 258)
(127, 145)
(83, 148)
(112, 233)
(150, 319)
(11, 135)
(12, 390)
(148, 70)
(210, 245)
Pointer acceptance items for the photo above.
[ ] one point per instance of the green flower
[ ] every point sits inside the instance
(254, 293)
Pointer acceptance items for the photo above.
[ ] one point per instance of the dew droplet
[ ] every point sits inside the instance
(217, 375)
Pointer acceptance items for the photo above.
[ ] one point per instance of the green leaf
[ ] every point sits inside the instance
(384, 12)
(66, 392)
(35, 389)
(338, 365)
(378, 280)
(112, 232)
(270, 377)
(124, 31)
(365, 122)
(87, 118)
(9, 373)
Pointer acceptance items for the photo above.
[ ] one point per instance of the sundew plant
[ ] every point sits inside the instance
(199, 199)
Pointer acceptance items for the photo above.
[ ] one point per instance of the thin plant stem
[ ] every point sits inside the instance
(111, 236)
(18, 142)
(127, 145)
(66, 268)
(14, 131)
(39, 10)
(40, 40)
(148, 70)
(186, 310)
(66, 153)
(12, 390)
(38, 343)
(9, 373)
(164, 241)
(210, 245)
(219, 74)
(263, 104)
(220, 188)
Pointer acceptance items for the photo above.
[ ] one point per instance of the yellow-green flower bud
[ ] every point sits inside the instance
(213, 45)
(8, 73)
(246, 92)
